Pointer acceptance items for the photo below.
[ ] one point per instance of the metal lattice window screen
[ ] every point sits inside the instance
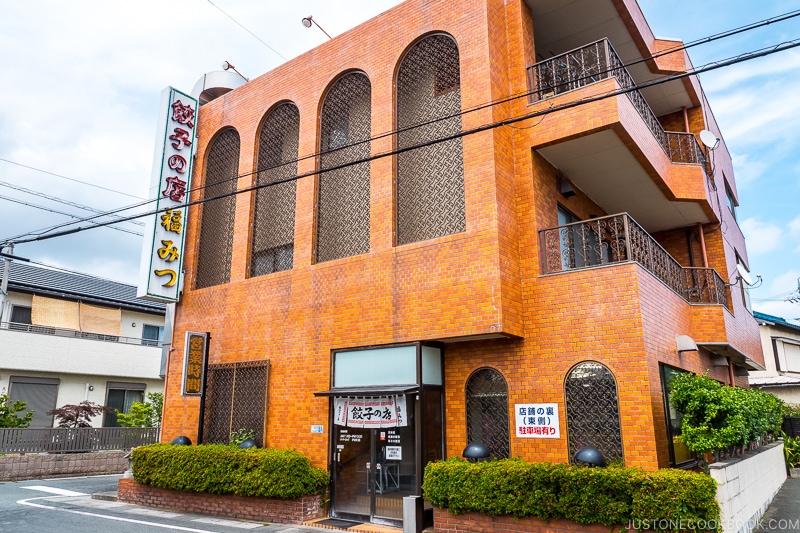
(592, 406)
(272, 247)
(236, 398)
(343, 194)
(216, 226)
(487, 412)
(430, 180)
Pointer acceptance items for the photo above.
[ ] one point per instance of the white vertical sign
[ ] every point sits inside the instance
(162, 250)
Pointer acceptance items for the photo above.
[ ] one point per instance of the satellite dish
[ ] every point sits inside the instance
(225, 65)
(744, 275)
(709, 139)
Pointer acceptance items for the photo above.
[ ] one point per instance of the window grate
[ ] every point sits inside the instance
(272, 247)
(592, 407)
(235, 398)
(343, 194)
(430, 180)
(487, 412)
(216, 226)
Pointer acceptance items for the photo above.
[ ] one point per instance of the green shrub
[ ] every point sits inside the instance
(222, 469)
(716, 417)
(241, 435)
(609, 496)
(791, 447)
(8, 413)
(791, 410)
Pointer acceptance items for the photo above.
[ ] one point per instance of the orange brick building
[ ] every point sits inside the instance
(446, 270)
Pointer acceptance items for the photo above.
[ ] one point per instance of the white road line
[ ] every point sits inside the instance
(53, 490)
(117, 518)
(228, 523)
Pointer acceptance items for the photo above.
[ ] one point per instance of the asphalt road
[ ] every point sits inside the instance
(65, 506)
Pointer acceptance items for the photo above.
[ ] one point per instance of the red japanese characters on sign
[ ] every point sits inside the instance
(162, 254)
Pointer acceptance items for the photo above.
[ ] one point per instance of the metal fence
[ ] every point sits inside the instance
(617, 239)
(593, 63)
(72, 333)
(54, 440)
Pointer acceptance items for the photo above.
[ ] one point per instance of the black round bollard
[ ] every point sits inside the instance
(475, 451)
(248, 443)
(590, 456)
(183, 440)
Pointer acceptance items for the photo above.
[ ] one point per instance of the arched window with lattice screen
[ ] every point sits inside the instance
(592, 405)
(487, 412)
(343, 193)
(216, 226)
(272, 243)
(430, 179)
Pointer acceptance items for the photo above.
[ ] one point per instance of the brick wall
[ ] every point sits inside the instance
(43, 466)
(446, 522)
(294, 511)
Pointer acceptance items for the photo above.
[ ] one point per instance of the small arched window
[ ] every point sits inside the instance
(272, 247)
(430, 179)
(343, 193)
(216, 226)
(487, 412)
(590, 393)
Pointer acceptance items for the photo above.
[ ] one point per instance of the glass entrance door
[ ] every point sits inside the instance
(373, 470)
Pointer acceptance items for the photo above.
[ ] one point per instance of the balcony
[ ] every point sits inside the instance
(75, 334)
(619, 239)
(598, 61)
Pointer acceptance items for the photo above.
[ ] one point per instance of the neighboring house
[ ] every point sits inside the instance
(781, 342)
(533, 286)
(66, 338)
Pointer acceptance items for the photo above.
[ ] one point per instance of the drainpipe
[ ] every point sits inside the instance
(731, 374)
(686, 120)
(4, 281)
(702, 244)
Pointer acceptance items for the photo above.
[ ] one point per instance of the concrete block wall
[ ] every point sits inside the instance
(746, 486)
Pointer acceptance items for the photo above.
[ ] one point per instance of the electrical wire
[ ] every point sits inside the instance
(763, 52)
(248, 31)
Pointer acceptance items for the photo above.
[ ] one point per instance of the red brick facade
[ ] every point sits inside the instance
(294, 511)
(483, 283)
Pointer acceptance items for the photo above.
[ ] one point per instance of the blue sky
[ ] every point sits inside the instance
(82, 83)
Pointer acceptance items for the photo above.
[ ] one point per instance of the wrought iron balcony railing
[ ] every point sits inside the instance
(62, 332)
(618, 239)
(593, 63)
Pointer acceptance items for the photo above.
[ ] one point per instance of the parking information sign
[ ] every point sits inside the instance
(537, 420)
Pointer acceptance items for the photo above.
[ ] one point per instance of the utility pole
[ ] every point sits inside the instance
(4, 281)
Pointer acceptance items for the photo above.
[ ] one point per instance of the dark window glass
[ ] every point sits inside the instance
(590, 394)
(430, 179)
(21, 315)
(679, 453)
(343, 192)
(273, 222)
(120, 397)
(152, 335)
(216, 226)
(487, 412)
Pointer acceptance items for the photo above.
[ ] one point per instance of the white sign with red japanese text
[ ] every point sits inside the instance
(386, 412)
(162, 252)
(537, 420)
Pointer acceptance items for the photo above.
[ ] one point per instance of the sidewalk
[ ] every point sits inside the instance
(783, 514)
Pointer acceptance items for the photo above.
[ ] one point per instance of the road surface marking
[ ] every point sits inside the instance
(53, 490)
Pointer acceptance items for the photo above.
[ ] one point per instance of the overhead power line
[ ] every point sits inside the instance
(486, 127)
(248, 31)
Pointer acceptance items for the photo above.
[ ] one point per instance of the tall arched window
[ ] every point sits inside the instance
(216, 227)
(590, 393)
(343, 194)
(487, 412)
(272, 247)
(430, 179)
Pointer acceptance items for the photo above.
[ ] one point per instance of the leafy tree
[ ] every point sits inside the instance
(78, 416)
(143, 415)
(8, 413)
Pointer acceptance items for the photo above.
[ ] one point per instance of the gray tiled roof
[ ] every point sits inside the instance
(33, 279)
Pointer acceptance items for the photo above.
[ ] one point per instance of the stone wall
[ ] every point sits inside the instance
(295, 511)
(43, 466)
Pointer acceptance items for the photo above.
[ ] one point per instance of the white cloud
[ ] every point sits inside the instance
(761, 238)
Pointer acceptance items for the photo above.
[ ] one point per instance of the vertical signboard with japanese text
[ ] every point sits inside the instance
(194, 363)
(162, 251)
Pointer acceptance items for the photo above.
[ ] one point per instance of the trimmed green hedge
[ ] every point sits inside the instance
(222, 469)
(609, 496)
